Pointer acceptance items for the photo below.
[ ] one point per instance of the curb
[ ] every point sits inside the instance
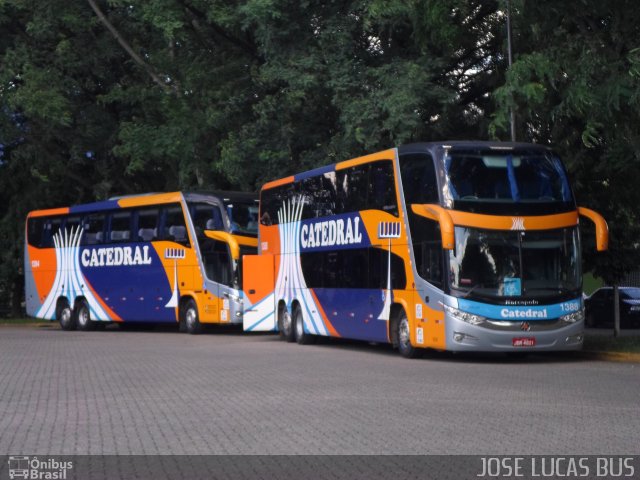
(625, 357)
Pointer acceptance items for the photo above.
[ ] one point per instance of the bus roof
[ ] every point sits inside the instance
(383, 155)
(142, 200)
(420, 147)
(468, 144)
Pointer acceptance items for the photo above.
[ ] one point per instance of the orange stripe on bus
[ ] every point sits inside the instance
(332, 330)
(277, 183)
(115, 317)
(514, 222)
(50, 211)
(143, 200)
(384, 155)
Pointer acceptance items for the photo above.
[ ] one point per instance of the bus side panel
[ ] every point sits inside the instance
(119, 282)
(39, 274)
(259, 284)
(427, 324)
(353, 312)
(134, 281)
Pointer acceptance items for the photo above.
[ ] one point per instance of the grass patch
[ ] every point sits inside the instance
(22, 321)
(609, 343)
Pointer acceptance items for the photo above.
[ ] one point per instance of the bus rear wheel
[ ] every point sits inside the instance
(83, 316)
(190, 318)
(404, 338)
(302, 337)
(65, 316)
(285, 325)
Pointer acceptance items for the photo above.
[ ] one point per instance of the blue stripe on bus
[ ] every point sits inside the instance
(92, 207)
(251, 327)
(520, 313)
(313, 173)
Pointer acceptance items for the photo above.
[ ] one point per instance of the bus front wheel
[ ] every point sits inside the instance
(190, 318)
(404, 338)
(65, 316)
(285, 325)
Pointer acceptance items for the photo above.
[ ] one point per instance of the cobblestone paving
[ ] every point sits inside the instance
(161, 392)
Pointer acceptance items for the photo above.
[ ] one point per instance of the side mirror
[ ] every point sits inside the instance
(440, 215)
(227, 238)
(602, 230)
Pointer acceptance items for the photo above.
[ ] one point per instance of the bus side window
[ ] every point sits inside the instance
(382, 188)
(71, 224)
(174, 226)
(355, 189)
(120, 227)
(205, 216)
(147, 226)
(51, 228)
(319, 193)
(272, 200)
(36, 231)
(93, 229)
(419, 178)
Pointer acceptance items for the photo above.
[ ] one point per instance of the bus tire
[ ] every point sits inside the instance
(64, 315)
(302, 337)
(191, 318)
(403, 336)
(83, 316)
(285, 325)
(182, 325)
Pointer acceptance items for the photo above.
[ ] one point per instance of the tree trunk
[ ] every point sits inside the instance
(616, 310)
(17, 297)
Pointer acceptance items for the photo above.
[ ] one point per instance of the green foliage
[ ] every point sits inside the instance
(575, 84)
(201, 94)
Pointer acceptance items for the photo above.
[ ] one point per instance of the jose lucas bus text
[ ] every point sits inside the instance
(531, 467)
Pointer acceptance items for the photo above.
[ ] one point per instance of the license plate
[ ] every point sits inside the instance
(524, 342)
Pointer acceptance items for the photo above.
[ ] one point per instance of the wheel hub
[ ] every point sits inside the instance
(191, 318)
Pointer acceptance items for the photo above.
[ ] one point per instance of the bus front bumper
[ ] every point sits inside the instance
(513, 336)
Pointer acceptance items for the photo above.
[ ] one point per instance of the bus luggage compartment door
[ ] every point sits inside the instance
(258, 282)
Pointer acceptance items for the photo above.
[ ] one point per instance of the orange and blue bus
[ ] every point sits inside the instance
(163, 257)
(461, 246)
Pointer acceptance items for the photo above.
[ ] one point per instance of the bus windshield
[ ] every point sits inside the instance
(501, 265)
(484, 181)
(243, 217)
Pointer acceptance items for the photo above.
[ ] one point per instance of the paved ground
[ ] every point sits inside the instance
(161, 392)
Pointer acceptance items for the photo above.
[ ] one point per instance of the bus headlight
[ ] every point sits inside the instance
(467, 317)
(574, 317)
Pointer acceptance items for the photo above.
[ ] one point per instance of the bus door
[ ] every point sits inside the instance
(222, 255)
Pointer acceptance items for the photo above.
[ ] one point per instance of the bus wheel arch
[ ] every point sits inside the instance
(189, 317)
(394, 315)
(285, 323)
(64, 314)
(82, 315)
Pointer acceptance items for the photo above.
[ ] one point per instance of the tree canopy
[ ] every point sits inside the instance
(110, 97)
